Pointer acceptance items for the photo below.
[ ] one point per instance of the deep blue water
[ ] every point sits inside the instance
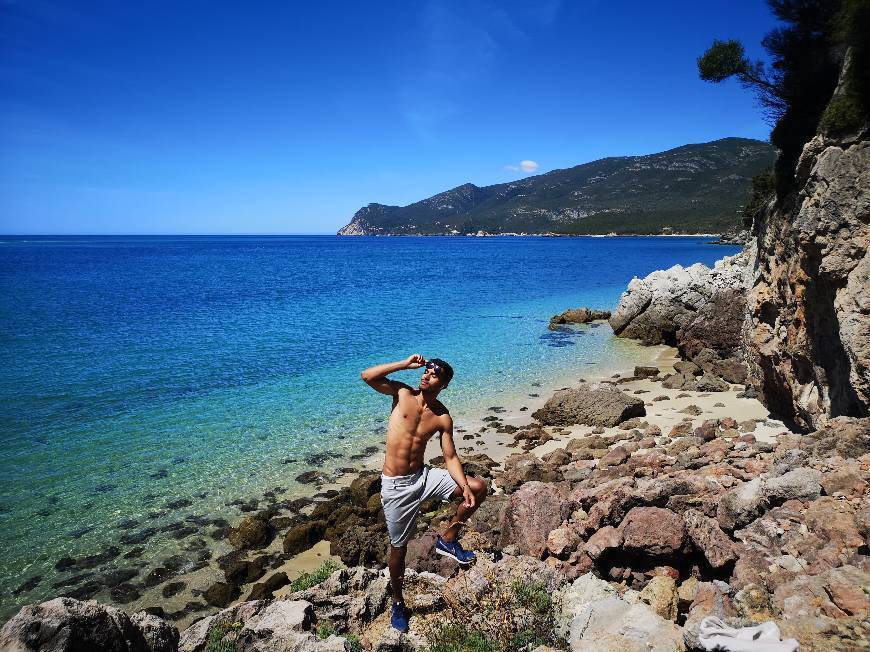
(140, 370)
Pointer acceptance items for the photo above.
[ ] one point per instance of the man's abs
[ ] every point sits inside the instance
(405, 452)
(408, 431)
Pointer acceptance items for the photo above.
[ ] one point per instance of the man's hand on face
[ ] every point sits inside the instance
(468, 495)
(415, 361)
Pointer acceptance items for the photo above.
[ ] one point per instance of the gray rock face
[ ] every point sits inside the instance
(655, 307)
(589, 405)
(592, 617)
(810, 305)
(266, 626)
(65, 624)
(741, 505)
(746, 502)
(800, 484)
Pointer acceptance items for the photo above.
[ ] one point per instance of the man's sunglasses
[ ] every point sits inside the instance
(434, 368)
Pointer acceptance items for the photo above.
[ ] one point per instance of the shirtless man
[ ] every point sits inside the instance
(406, 481)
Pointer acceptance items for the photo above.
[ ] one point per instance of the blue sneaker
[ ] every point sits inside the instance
(454, 551)
(399, 617)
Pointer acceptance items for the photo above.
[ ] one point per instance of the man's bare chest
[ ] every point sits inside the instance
(414, 419)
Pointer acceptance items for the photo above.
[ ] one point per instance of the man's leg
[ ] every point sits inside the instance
(397, 571)
(463, 513)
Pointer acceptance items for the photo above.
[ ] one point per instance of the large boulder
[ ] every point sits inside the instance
(220, 594)
(421, 555)
(571, 599)
(264, 590)
(592, 617)
(717, 325)
(364, 487)
(708, 538)
(303, 536)
(652, 309)
(661, 595)
(65, 624)
(533, 510)
(589, 405)
(359, 546)
(252, 532)
(744, 503)
(653, 531)
(488, 520)
(520, 468)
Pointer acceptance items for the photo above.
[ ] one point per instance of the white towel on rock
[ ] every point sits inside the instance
(716, 635)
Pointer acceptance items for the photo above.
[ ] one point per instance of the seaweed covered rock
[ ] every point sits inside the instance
(252, 532)
(578, 316)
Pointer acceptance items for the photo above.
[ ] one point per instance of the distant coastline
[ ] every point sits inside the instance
(481, 234)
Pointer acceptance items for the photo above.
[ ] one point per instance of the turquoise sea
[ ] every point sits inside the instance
(150, 379)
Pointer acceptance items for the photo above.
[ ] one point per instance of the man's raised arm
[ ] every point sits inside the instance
(376, 377)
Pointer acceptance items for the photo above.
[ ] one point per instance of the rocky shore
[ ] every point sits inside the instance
(630, 501)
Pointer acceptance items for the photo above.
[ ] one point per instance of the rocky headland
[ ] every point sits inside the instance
(695, 188)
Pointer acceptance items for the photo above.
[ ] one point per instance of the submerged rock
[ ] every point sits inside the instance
(578, 316)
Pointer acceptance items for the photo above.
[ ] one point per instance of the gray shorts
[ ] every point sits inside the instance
(401, 496)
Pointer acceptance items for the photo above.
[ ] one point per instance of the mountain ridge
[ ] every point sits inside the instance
(691, 188)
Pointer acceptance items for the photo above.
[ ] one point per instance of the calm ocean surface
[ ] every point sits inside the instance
(143, 370)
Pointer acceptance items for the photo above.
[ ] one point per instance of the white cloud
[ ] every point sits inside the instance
(524, 166)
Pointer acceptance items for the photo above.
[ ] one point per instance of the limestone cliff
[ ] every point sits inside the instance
(808, 337)
(798, 316)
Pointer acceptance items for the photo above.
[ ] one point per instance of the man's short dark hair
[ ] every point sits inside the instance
(446, 370)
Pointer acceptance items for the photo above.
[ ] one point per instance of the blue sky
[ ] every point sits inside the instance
(287, 117)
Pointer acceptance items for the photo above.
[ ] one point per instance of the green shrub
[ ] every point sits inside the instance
(844, 113)
(509, 617)
(763, 190)
(527, 639)
(216, 642)
(454, 637)
(315, 577)
(325, 630)
(354, 643)
(532, 595)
